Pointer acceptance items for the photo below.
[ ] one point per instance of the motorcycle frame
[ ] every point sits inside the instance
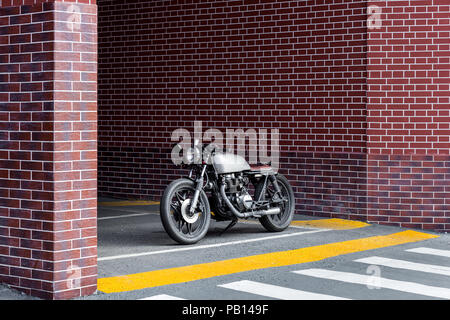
(259, 206)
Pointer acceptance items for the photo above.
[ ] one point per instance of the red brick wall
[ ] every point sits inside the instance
(48, 150)
(15, 3)
(298, 66)
(364, 116)
(409, 115)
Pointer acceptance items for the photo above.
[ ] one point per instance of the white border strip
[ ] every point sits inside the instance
(139, 213)
(408, 265)
(435, 252)
(207, 246)
(404, 286)
(127, 215)
(276, 292)
(162, 297)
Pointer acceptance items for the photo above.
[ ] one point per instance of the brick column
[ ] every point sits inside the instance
(48, 147)
(408, 113)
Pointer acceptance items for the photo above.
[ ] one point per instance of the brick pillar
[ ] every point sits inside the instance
(408, 113)
(48, 147)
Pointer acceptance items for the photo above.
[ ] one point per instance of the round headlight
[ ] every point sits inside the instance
(189, 158)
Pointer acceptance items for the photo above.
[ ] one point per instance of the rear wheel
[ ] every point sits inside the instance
(179, 223)
(279, 222)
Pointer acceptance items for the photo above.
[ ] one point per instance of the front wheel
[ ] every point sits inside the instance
(279, 222)
(179, 223)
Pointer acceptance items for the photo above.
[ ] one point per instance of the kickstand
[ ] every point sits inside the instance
(231, 225)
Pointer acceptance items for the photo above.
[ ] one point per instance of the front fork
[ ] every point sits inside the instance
(198, 189)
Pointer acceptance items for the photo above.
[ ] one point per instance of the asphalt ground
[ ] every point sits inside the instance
(137, 260)
(134, 248)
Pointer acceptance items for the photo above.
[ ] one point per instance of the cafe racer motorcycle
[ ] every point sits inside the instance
(225, 187)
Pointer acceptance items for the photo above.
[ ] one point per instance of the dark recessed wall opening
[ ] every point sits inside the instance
(298, 66)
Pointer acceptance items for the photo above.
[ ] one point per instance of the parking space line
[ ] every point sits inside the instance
(268, 260)
(140, 213)
(331, 224)
(207, 246)
(126, 216)
(127, 203)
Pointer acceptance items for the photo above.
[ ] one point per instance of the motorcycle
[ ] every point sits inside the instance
(225, 187)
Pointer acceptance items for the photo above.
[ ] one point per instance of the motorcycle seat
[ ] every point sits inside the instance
(261, 169)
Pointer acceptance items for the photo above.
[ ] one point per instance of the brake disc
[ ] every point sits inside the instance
(187, 216)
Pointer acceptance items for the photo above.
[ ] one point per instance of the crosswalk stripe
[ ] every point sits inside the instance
(162, 297)
(401, 264)
(436, 252)
(277, 292)
(404, 286)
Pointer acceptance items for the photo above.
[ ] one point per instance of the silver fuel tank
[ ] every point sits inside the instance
(229, 163)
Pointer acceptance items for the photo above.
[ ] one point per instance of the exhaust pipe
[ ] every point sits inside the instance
(246, 214)
(267, 212)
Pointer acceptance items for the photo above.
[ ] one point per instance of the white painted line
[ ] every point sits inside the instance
(254, 222)
(162, 297)
(276, 292)
(436, 252)
(138, 213)
(126, 216)
(207, 246)
(404, 286)
(401, 264)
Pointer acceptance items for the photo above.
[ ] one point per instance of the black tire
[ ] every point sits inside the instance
(172, 219)
(279, 222)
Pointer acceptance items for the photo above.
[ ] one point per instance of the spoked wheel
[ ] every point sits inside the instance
(179, 223)
(279, 222)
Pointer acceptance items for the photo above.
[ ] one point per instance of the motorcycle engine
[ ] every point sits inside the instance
(238, 193)
(244, 201)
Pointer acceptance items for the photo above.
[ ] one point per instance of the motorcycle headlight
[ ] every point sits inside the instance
(189, 158)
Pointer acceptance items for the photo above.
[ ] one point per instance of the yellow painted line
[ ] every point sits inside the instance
(127, 203)
(334, 224)
(269, 260)
(330, 224)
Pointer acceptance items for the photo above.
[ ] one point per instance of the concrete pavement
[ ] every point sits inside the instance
(7, 293)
